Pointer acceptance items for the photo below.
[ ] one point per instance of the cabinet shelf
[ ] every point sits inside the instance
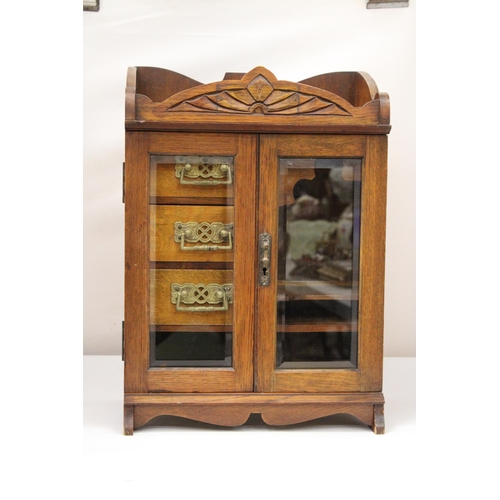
(190, 328)
(178, 200)
(315, 290)
(317, 325)
(190, 265)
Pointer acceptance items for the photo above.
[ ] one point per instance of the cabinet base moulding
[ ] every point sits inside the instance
(234, 409)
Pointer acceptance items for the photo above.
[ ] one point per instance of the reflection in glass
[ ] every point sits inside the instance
(187, 348)
(318, 271)
(315, 347)
(191, 260)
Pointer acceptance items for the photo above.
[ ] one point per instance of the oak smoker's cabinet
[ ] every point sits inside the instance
(254, 247)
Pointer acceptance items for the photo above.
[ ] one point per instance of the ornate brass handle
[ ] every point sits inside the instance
(200, 168)
(213, 294)
(193, 232)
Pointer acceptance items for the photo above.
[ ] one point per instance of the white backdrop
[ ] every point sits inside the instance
(294, 39)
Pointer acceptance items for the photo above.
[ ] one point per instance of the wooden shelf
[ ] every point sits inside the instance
(191, 328)
(315, 290)
(178, 200)
(190, 265)
(309, 325)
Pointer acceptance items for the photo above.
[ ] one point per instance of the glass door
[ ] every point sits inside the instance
(198, 335)
(318, 262)
(314, 188)
(192, 260)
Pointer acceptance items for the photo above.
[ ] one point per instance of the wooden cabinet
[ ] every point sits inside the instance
(254, 247)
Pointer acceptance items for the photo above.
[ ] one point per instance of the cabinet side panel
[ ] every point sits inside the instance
(371, 322)
(136, 260)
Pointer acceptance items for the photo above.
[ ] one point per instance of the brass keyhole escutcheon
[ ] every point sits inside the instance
(264, 259)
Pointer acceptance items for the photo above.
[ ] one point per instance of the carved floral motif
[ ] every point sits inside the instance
(261, 95)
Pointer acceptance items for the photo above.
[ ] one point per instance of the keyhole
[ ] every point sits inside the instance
(264, 271)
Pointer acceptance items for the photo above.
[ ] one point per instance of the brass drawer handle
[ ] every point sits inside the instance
(213, 294)
(206, 232)
(197, 170)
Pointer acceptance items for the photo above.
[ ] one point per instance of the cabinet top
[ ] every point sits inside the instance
(342, 102)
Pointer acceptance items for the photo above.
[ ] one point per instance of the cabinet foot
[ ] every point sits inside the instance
(128, 420)
(378, 426)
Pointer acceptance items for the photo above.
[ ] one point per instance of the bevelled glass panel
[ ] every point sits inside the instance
(299, 349)
(193, 349)
(318, 270)
(191, 260)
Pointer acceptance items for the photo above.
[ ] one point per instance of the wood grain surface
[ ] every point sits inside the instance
(165, 186)
(163, 311)
(162, 223)
(234, 410)
(342, 103)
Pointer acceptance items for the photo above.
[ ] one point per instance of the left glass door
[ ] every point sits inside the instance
(192, 260)
(198, 336)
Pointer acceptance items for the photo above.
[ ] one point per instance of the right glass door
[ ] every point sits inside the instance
(319, 325)
(318, 262)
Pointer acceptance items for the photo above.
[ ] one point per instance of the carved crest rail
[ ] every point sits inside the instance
(256, 101)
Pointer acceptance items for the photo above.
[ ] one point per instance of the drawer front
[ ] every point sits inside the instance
(181, 233)
(200, 177)
(191, 297)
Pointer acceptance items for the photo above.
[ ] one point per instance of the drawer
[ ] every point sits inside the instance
(191, 297)
(208, 179)
(182, 233)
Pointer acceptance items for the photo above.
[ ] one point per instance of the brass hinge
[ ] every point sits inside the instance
(123, 183)
(123, 340)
